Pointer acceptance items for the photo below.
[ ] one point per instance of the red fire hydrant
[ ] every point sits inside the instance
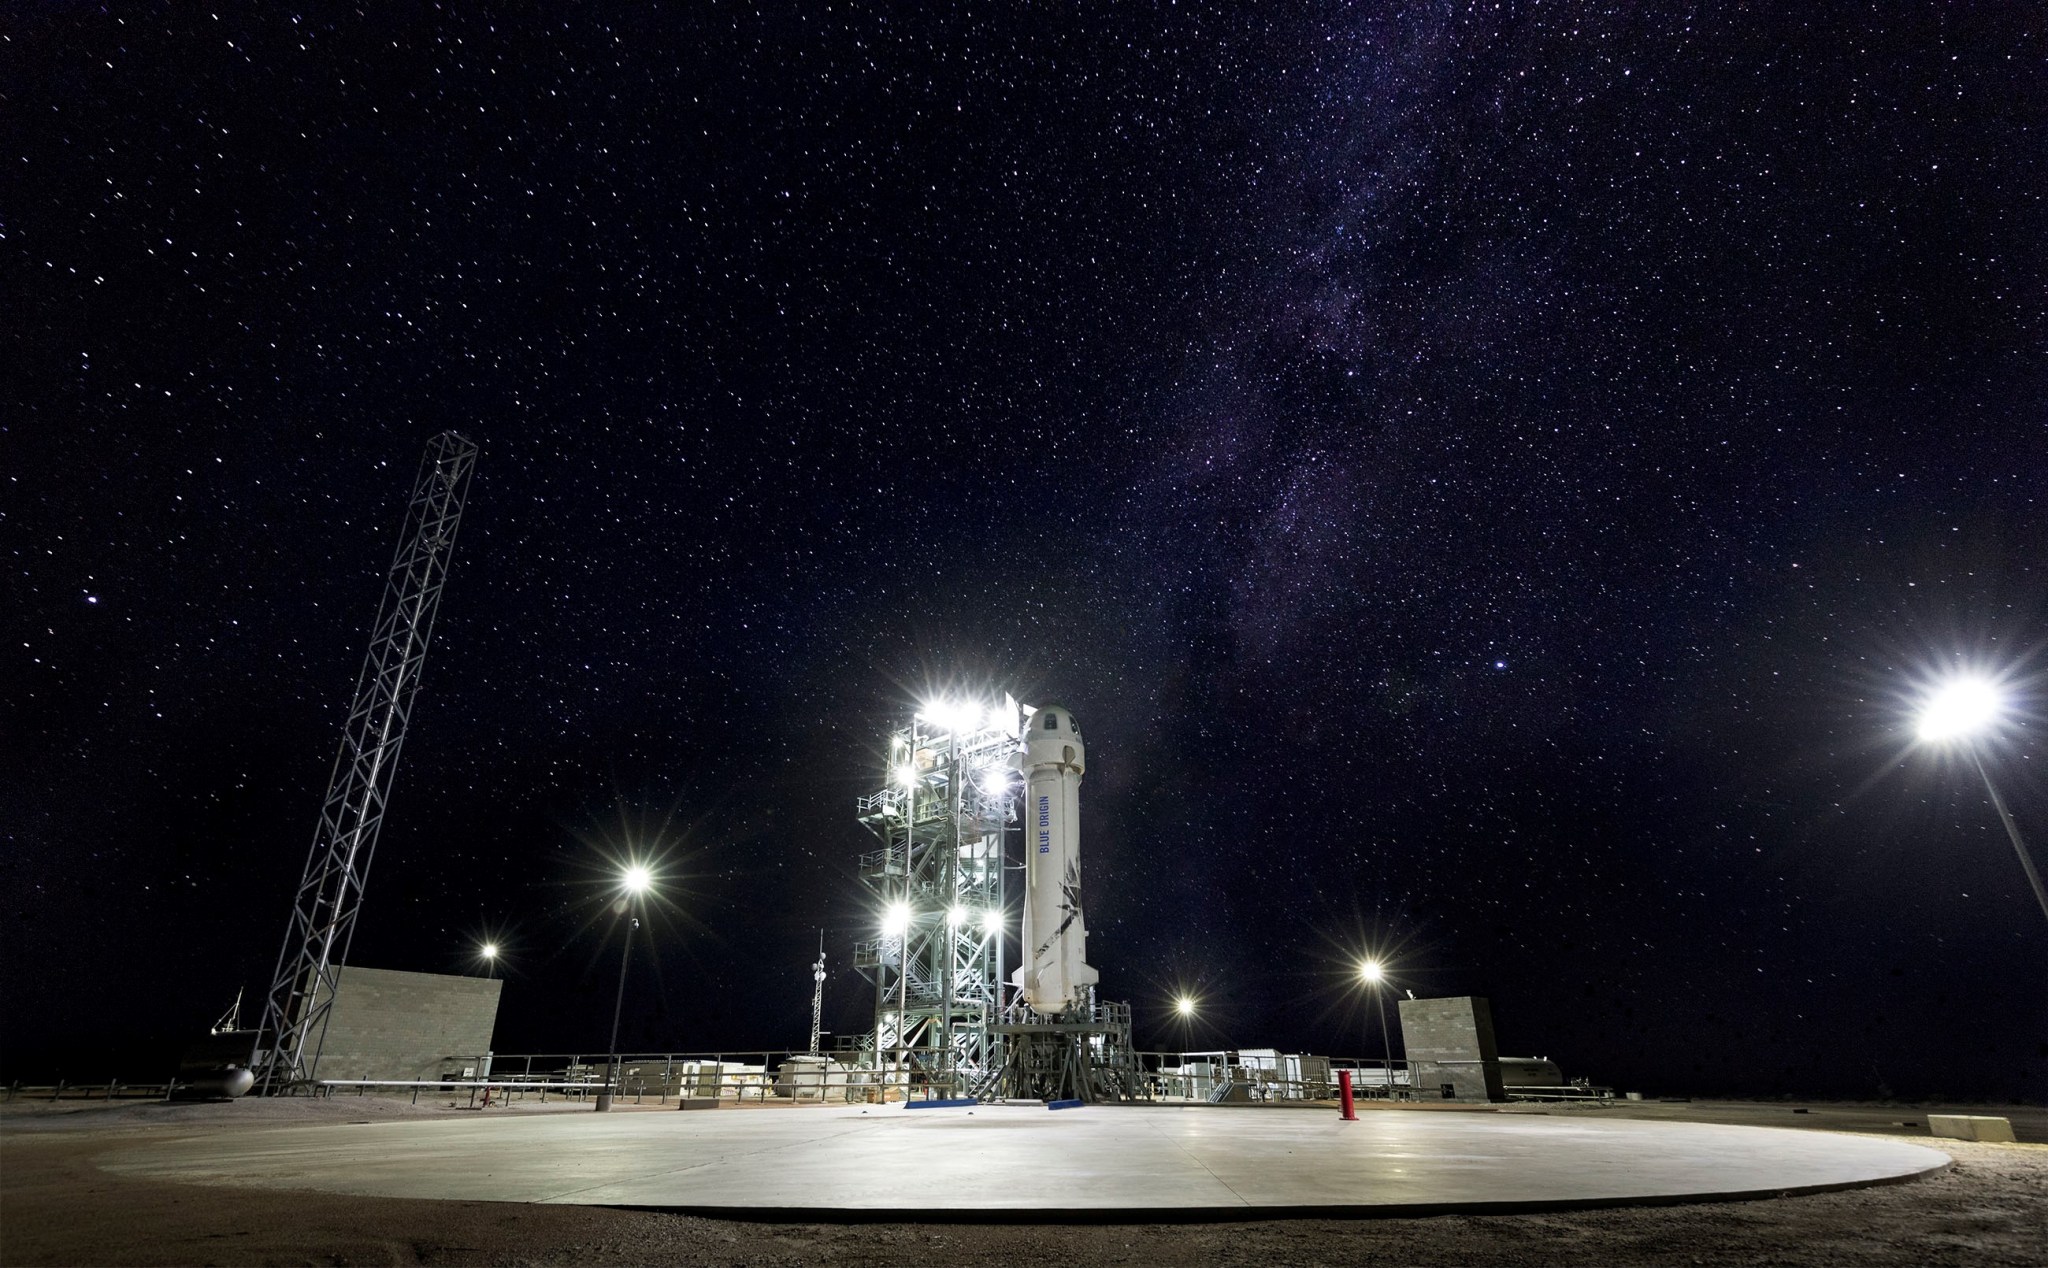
(1344, 1096)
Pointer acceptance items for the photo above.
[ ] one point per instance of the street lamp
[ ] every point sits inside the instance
(636, 880)
(1959, 713)
(1374, 975)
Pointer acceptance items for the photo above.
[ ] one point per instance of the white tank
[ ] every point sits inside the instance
(1055, 938)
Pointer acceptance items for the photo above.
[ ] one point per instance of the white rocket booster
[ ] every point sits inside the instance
(1055, 939)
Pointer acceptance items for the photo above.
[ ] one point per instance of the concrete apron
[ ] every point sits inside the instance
(1011, 1162)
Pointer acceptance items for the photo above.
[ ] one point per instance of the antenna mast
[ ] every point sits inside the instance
(817, 992)
(231, 1019)
(330, 894)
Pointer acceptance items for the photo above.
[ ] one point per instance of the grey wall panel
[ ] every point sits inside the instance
(1450, 1044)
(388, 1024)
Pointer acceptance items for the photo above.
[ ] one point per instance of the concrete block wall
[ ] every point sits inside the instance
(1450, 1043)
(388, 1024)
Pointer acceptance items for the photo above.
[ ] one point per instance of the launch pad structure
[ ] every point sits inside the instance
(947, 1022)
(940, 887)
(1081, 1054)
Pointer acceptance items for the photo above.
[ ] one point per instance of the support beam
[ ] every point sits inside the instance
(323, 920)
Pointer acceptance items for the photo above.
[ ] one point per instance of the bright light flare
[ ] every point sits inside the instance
(992, 922)
(637, 879)
(895, 919)
(956, 916)
(1371, 973)
(952, 715)
(1185, 1006)
(488, 950)
(906, 776)
(1959, 710)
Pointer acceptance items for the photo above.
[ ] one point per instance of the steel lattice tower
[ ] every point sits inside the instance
(940, 891)
(330, 894)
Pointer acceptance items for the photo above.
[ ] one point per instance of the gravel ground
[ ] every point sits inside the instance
(58, 1207)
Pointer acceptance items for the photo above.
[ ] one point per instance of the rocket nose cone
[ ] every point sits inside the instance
(1050, 736)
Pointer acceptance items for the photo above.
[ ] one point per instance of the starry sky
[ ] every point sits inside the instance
(1488, 478)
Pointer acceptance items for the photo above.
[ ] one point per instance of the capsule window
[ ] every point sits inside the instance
(1052, 721)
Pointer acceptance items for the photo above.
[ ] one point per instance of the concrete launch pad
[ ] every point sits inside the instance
(1009, 1163)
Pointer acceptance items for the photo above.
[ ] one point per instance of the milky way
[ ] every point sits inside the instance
(1487, 479)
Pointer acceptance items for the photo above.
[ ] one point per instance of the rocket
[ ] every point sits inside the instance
(1055, 938)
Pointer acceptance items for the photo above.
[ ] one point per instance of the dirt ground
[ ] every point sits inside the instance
(58, 1207)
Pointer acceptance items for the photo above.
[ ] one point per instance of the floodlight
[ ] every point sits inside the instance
(637, 880)
(895, 920)
(957, 916)
(488, 950)
(992, 921)
(995, 780)
(906, 775)
(1370, 971)
(1185, 1006)
(1959, 710)
(952, 715)
(1001, 719)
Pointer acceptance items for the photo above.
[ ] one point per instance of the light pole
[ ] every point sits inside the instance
(635, 882)
(1959, 713)
(1373, 975)
(1184, 1014)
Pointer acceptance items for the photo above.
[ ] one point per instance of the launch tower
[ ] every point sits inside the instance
(939, 891)
(948, 1020)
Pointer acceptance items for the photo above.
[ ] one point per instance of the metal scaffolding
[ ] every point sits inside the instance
(287, 1047)
(940, 896)
(1084, 1054)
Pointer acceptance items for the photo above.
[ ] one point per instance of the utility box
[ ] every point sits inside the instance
(1450, 1047)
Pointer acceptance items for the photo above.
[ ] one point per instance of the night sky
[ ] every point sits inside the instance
(1488, 480)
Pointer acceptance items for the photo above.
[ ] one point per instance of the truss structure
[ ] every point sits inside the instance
(940, 896)
(323, 920)
(1084, 1054)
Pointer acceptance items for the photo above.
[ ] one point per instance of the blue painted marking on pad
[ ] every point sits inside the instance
(1069, 1104)
(955, 1103)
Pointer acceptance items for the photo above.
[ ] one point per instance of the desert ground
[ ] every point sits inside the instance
(57, 1206)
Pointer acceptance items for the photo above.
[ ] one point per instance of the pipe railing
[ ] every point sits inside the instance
(1229, 1076)
(773, 1077)
(95, 1090)
(782, 1077)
